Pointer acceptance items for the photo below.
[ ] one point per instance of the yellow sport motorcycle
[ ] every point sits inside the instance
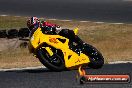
(59, 52)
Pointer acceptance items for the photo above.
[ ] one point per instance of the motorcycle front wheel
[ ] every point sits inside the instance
(54, 62)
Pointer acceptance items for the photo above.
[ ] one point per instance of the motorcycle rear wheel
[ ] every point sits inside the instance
(96, 58)
(54, 62)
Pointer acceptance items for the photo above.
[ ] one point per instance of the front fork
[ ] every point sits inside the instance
(48, 49)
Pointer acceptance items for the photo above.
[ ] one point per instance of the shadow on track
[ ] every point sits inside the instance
(39, 70)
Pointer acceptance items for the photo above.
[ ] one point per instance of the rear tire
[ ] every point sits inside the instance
(96, 58)
(54, 62)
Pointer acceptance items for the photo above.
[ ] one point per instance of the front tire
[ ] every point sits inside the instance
(54, 62)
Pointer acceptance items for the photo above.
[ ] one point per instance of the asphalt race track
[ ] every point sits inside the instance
(93, 10)
(43, 78)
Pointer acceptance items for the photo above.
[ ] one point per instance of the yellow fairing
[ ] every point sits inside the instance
(75, 59)
(71, 58)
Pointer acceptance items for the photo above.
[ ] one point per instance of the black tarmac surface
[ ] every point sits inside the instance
(93, 10)
(43, 78)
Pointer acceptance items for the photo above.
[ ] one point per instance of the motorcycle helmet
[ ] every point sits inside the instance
(33, 23)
